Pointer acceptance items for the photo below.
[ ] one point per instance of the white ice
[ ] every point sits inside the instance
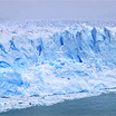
(40, 60)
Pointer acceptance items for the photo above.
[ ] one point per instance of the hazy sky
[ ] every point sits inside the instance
(58, 9)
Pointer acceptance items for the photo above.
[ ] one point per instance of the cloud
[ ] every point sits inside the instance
(58, 9)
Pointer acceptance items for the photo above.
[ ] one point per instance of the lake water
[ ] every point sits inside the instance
(103, 105)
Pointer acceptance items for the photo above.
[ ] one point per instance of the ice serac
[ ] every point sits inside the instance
(54, 60)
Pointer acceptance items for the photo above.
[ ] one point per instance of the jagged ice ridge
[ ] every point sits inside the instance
(45, 64)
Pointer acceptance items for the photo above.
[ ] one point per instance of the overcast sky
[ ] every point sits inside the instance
(58, 9)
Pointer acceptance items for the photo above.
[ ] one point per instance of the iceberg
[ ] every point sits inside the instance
(42, 63)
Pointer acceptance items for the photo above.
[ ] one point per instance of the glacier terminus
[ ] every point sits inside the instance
(45, 62)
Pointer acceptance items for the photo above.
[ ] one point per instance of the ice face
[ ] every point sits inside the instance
(54, 60)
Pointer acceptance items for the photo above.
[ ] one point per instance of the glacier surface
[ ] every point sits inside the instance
(42, 63)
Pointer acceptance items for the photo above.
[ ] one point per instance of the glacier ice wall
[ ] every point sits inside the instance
(47, 60)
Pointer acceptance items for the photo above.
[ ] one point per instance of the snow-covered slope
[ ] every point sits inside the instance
(44, 64)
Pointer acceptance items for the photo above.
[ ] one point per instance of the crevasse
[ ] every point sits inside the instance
(46, 61)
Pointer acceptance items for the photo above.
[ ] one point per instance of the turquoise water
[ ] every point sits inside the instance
(103, 105)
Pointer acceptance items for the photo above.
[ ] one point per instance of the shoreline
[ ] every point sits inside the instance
(102, 105)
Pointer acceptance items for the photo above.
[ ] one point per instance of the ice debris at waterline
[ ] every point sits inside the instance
(45, 64)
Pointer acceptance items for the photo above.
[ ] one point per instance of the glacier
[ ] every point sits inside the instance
(42, 63)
